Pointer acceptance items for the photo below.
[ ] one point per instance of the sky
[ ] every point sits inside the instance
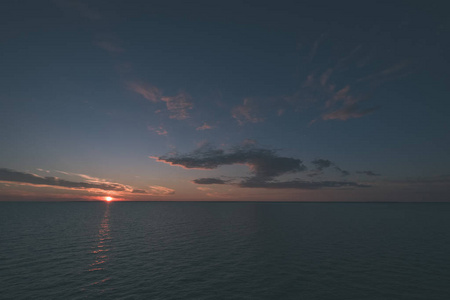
(224, 101)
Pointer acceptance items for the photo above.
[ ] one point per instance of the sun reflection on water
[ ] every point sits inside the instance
(103, 243)
(101, 250)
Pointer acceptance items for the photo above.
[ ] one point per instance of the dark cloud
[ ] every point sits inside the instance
(209, 181)
(138, 191)
(440, 179)
(263, 163)
(343, 172)
(314, 174)
(369, 173)
(298, 184)
(321, 164)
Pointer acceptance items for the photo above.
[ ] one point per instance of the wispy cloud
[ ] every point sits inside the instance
(204, 127)
(350, 111)
(214, 194)
(157, 190)
(315, 46)
(247, 112)
(158, 130)
(178, 105)
(7, 175)
(342, 86)
(393, 72)
(299, 184)
(149, 92)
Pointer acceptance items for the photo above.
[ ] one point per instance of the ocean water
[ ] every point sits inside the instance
(156, 250)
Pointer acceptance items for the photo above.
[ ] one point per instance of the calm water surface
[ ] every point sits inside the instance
(154, 250)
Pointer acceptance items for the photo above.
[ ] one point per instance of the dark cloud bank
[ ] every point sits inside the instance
(368, 173)
(265, 165)
(322, 164)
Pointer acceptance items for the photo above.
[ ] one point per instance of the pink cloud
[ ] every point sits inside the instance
(149, 92)
(178, 106)
(156, 190)
(350, 111)
(158, 130)
(204, 127)
(247, 112)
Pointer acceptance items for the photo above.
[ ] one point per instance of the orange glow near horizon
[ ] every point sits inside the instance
(109, 199)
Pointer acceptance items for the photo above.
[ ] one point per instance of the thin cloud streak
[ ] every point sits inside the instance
(209, 181)
(368, 173)
(178, 105)
(149, 92)
(158, 130)
(300, 184)
(204, 127)
(11, 176)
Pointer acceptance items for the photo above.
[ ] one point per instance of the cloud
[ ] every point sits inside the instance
(211, 193)
(341, 85)
(298, 184)
(209, 181)
(369, 173)
(439, 179)
(350, 111)
(391, 73)
(204, 127)
(325, 76)
(247, 112)
(178, 106)
(259, 182)
(321, 164)
(149, 92)
(343, 172)
(157, 190)
(262, 162)
(92, 184)
(339, 95)
(315, 46)
(8, 175)
(158, 130)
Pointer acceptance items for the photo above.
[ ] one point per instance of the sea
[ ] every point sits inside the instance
(224, 250)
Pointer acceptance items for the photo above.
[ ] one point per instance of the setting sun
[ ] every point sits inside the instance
(108, 198)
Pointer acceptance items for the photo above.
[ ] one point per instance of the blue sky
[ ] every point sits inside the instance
(254, 100)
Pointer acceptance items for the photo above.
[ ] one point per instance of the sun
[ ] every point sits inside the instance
(108, 199)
